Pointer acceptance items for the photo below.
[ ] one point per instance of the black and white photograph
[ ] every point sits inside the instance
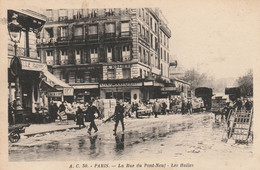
(133, 84)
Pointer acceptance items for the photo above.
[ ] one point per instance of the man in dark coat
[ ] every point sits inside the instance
(92, 111)
(80, 117)
(119, 116)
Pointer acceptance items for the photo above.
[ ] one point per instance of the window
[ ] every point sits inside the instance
(161, 53)
(125, 28)
(147, 36)
(141, 73)
(140, 54)
(160, 36)
(164, 55)
(78, 56)
(155, 27)
(143, 14)
(139, 29)
(111, 74)
(49, 57)
(79, 76)
(143, 31)
(109, 54)
(94, 55)
(63, 57)
(64, 32)
(156, 43)
(152, 40)
(144, 56)
(109, 95)
(93, 13)
(63, 14)
(78, 32)
(77, 13)
(167, 57)
(126, 53)
(126, 73)
(110, 12)
(92, 30)
(110, 28)
(140, 13)
(147, 18)
(145, 73)
(164, 40)
(161, 69)
(49, 15)
(167, 42)
(151, 23)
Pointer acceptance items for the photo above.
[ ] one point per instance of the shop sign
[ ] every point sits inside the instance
(119, 66)
(27, 65)
(120, 84)
(54, 94)
(68, 91)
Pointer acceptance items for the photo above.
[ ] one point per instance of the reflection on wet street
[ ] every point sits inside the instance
(173, 136)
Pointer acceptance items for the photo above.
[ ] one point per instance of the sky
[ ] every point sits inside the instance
(219, 38)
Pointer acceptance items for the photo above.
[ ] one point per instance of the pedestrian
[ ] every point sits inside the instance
(92, 113)
(183, 107)
(80, 117)
(164, 106)
(156, 108)
(248, 106)
(189, 107)
(135, 108)
(239, 104)
(55, 110)
(119, 116)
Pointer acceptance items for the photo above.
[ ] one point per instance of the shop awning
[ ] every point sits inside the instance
(53, 81)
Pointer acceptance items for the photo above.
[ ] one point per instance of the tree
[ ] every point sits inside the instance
(195, 78)
(246, 84)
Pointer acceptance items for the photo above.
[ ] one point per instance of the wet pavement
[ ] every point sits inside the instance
(173, 136)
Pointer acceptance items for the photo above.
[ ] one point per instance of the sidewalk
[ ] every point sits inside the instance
(35, 129)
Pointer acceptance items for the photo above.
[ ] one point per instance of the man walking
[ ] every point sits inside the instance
(156, 108)
(119, 116)
(189, 107)
(93, 113)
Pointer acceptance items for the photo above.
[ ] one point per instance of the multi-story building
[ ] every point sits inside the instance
(107, 53)
(24, 73)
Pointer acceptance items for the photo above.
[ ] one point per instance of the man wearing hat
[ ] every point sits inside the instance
(119, 116)
(92, 111)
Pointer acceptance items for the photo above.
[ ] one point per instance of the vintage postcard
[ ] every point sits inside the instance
(129, 84)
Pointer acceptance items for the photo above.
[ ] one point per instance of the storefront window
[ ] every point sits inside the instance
(109, 95)
(118, 95)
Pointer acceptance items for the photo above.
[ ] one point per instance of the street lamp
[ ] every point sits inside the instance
(14, 29)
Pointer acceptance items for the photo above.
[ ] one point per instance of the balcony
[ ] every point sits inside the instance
(92, 37)
(78, 39)
(110, 35)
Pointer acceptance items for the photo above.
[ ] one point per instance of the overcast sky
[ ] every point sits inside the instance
(217, 37)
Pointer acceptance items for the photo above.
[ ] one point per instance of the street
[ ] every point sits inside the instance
(173, 136)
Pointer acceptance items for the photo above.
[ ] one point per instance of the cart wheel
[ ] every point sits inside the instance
(14, 137)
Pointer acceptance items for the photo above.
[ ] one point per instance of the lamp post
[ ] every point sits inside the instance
(14, 30)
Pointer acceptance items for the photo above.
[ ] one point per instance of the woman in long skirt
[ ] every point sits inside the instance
(80, 117)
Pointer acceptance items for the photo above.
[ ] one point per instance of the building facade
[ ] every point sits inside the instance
(25, 87)
(107, 53)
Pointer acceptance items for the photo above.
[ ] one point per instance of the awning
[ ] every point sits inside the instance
(53, 81)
